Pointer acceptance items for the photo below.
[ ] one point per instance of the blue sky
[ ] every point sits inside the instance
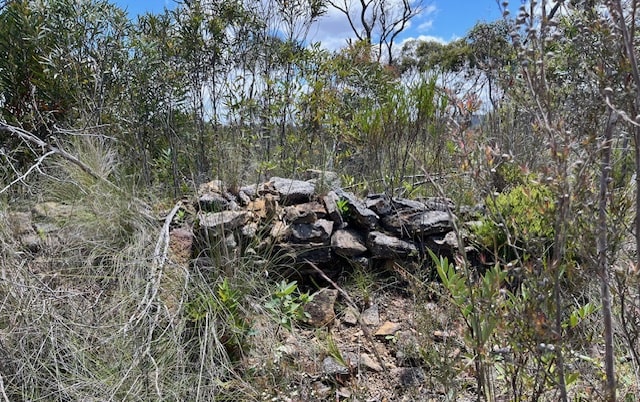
(443, 20)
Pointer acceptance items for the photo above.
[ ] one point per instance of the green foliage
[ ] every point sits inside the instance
(286, 306)
(224, 307)
(520, 217)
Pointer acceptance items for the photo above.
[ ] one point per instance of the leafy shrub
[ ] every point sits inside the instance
(520, 218)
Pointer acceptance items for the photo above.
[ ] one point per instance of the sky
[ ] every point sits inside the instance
(443, 20)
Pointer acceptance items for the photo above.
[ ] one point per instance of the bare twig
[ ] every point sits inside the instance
(33, 167)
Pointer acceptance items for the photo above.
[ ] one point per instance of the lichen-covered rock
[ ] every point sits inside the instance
(290, 191)
(348, 243)
(319, 310)
(220, 222)
(412, 222)
(388, 247)
(304, 213)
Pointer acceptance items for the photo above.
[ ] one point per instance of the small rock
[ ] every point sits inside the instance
(331, 205)
(379, 203)
(357, 210)
(369, 363)
(350, 317)
(371, 316)
(219, 222)
(320, 308)
(212, 202)
(250, 191)
(331, 367)
(388, 328)
(304, 213)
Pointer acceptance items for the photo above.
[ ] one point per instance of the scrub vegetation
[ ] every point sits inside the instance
(107, 122)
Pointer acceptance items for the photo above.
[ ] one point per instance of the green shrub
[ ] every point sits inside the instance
(521, 218)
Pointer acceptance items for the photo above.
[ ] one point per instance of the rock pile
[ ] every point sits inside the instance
(307, 222)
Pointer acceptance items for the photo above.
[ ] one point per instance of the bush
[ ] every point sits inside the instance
(517, 220)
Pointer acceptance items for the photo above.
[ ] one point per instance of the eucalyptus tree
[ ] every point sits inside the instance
(62, 67)
(379, 22)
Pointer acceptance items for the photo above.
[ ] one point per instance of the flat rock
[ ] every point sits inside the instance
(316, 232)
(411, 222)
(220, 222)
(316, 253)
(388, 328)
(389, 247)
(348, 243)
(290, 191)
(370, 364)
(320, 309)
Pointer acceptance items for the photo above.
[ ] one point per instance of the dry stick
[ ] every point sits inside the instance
(4, 393)
(159, 259)
(355, 309)
(26, 136)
